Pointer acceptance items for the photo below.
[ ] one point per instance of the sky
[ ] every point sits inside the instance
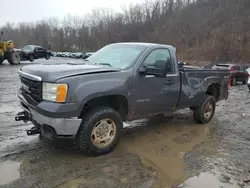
(15, 11)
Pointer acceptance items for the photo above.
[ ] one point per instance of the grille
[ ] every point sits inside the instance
(31, 90)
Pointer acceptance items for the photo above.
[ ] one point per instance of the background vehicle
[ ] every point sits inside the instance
(87, 54)
(78, 55)
(237, 72)
(32, 52)
(7, 51)
(89, 100)
(248, 82)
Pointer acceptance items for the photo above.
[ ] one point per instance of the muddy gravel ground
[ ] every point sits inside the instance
(170, 151)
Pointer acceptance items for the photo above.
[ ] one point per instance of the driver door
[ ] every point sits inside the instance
(40, 52)
(157, 94)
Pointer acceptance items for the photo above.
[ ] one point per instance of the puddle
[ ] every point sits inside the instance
(163, 145)
(9, 171)
(206, 180)
(135, 123)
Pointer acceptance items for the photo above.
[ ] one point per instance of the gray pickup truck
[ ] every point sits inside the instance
(87, 102)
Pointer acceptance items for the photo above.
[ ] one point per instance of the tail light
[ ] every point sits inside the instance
(229, 82)
(230, 69)
(249, 76)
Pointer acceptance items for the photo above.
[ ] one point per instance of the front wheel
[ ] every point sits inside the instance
(205, 112)
(99, 132)
(13, 58)
(47, 56)
(1, 60)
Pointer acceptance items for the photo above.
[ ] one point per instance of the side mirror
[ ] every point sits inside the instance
(159, 69)
(181, 64)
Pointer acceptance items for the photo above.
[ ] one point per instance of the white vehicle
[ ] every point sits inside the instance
(248, 82)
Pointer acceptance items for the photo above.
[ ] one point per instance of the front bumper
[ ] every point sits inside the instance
(58, 126)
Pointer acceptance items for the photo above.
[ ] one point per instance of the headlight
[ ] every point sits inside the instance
(55, 92)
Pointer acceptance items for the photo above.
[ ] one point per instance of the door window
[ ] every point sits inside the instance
(159, 54)
(38, 49)
(236, 68)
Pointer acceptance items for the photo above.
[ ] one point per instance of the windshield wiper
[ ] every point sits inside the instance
(105, 64)
(97, 63)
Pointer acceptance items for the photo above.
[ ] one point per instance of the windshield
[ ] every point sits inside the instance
(248, 70)
(118, 56)
(28, 48)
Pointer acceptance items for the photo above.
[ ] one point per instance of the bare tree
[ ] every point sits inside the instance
(200, 29)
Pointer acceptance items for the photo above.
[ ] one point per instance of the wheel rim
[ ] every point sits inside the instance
(208, 110)
(16, 58)
(103, 133)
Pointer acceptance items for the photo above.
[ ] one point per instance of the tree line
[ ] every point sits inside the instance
(208, 30)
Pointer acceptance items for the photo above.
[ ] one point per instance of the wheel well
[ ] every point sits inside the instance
(117, 102)
(214, 90)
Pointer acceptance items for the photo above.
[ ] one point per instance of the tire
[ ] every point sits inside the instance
(245, 81)
(1, 60)
(47, 56)
(31, 58)
(199, 112)
(233, 83)
(41, 137)
(13, 57)
(85, 136)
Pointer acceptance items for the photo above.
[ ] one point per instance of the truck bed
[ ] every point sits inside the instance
(195, 81)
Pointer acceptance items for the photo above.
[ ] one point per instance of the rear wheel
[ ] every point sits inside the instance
(245, 81)
(31, 58)
(13, 57)
(233, 81)
(100, 131)
(205, 112)
(47, 56)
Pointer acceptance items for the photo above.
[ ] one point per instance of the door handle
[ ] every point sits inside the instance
(169, 82)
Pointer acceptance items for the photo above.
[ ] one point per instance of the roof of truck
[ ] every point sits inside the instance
(31, 45)
(144, 44)
(224, 64)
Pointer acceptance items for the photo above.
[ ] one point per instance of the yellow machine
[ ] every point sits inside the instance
(7, 51)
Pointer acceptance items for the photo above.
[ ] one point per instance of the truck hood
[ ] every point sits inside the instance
(52, 72)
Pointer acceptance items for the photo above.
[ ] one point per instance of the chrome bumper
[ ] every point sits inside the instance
(61, 126)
